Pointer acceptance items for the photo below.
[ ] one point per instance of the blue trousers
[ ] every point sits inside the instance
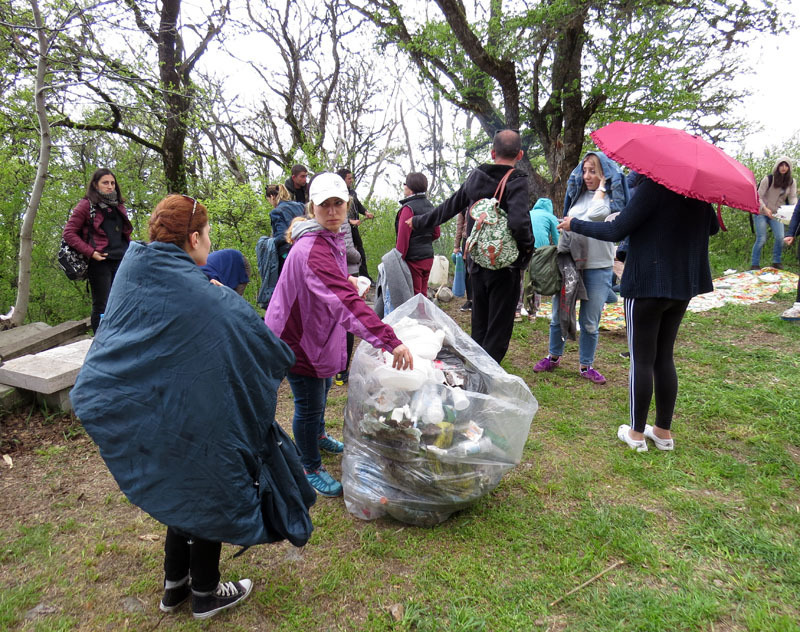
(310, 398)
(760, 223)
(598, 285)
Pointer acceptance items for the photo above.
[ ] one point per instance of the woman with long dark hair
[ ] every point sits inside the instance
(775, 190)
(99, 229)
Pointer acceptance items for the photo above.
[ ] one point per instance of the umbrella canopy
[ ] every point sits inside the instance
(681, 162)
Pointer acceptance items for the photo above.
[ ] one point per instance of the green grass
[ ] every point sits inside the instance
(707, 535)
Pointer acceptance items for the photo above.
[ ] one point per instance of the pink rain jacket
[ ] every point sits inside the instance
(314, 305)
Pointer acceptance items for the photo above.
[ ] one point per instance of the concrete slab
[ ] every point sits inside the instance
(36, 337)
(55, 401)
(11, 397)
(18, 334)
(47, 371)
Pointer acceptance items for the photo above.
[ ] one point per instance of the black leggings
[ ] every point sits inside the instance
(652, 328)
(185, 555)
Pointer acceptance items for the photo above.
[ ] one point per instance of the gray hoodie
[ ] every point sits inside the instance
(772, 197)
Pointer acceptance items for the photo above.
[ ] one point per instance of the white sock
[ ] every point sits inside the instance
(169, 584)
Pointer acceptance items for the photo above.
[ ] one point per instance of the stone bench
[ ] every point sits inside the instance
(49, 374)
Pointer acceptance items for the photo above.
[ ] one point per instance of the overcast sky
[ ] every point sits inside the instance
(775, 87)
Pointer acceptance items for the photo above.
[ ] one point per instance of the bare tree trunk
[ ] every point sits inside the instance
(26, 232)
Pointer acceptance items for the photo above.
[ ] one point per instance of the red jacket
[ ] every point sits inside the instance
(76, 232)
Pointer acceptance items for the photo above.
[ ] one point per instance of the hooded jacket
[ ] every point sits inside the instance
(772, 197)
(617, 193)
(544, 223)
(314, 304)
(482, 183)
(668, 250)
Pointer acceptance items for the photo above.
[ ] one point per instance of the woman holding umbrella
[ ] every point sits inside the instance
(667, 264)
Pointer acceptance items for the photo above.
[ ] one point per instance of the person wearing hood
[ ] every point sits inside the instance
(545, 233)
(594, 260)
(314, 304)
(100, 230)
(775, 190)
(544, 223)
(494, 292)
(415, 246)
(230, 267)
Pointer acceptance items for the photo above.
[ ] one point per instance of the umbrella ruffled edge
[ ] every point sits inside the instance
(680, 190)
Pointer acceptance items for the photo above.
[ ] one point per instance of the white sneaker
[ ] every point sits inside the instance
(661, 444)
(624, 436)
(792, 313)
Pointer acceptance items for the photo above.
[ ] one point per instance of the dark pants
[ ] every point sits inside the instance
(652, 328)
(494, 300)
(359, 245)
(101, 275)
(351, 339)
(186, 555)
(308, 425)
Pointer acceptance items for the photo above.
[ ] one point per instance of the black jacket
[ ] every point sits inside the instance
(420, 244)
(482, 183)
(668, 249)
(299, 195)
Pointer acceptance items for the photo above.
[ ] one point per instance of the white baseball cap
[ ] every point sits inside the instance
(327, 185)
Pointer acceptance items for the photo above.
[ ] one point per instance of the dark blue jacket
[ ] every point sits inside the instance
(617, 193)
(280, 217)
(794, 225)
(668, 249)
(179, 390)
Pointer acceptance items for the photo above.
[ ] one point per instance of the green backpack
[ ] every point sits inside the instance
(490, 243)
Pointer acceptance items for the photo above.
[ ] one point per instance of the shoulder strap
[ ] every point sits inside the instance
(501, 187)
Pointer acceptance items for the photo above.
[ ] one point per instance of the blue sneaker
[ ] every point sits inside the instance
(329, 444)
(324, 483)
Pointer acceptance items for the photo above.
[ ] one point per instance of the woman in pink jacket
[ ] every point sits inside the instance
(314, 304)
(99, 229)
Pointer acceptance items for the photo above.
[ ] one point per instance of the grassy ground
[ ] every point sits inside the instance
(704, 538)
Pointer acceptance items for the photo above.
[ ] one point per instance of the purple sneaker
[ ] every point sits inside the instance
(546, 364)
(592, 374)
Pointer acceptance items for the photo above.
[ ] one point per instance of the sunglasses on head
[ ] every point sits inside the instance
(194, 205)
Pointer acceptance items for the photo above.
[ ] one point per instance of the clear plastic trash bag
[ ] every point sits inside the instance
(421, 445)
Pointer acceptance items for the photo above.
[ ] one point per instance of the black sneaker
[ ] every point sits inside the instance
(227, 594)
(466, 307)
(174, 597)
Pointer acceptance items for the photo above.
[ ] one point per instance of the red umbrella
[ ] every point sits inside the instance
(681, 162)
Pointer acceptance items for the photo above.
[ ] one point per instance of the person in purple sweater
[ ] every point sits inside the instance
(667, 264)
(314, 304)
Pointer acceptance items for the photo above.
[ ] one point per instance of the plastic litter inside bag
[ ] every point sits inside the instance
(422, 444)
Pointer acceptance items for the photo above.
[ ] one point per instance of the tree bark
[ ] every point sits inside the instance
(45, 144)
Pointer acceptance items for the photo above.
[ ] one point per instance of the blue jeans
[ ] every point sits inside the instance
(310, 398)
(760, 222)
(598, 284)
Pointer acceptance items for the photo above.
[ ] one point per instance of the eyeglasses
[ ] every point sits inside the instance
(194, 206)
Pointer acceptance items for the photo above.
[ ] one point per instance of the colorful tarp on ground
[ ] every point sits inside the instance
(742, 288)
